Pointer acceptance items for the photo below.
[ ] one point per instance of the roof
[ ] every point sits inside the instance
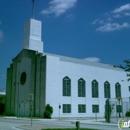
(84, 62)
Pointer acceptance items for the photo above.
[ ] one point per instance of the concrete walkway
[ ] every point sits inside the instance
(71, 120)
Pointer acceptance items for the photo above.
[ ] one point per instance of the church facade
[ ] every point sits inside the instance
(80, 87)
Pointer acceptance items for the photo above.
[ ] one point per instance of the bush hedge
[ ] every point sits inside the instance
(2, 108)
(48, 111)
(127, 114)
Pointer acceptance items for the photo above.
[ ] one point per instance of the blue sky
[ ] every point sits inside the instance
(95, 30)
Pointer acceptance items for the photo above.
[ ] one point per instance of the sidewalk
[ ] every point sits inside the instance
(73, 121)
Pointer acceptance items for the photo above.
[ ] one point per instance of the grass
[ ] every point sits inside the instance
(69, 129)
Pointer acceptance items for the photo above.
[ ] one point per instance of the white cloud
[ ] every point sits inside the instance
(95, 21)
(117, 16)
(122, 8)
(71, 16)
(112, 27)
(59, 7)
(101, 22)
(127, 14)
(98, 21)
(93, 59)
(109, 21)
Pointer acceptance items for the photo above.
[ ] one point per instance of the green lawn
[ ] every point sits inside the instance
(69, 129)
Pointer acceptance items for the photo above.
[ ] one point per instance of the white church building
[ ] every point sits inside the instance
(80, 87)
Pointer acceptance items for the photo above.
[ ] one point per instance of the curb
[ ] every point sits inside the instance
(30, 127)
(92, 123)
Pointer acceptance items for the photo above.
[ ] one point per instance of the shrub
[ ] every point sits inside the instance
(48, 111)
(2, 108)
(127, 114)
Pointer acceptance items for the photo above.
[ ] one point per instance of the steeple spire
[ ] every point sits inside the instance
(33, 8)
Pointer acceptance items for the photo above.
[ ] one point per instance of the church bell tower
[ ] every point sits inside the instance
(32, 36)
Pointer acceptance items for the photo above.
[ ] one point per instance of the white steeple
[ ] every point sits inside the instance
(32, 36)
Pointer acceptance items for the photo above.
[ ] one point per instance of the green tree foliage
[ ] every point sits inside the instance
(48, 111)
(126, 68)
(127, 114)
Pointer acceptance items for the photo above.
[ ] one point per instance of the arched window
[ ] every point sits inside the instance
(107, 93)
(118, 90)
(94, 89)
(81, 88)
(66, 86)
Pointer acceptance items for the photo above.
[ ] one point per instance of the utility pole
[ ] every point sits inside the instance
(31, 105)
(59, 110)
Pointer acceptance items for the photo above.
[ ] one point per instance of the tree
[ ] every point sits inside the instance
(119, 99)
(48, 111)
(126, 68)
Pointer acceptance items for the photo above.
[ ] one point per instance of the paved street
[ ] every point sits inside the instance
(9, 124)
(38, 124)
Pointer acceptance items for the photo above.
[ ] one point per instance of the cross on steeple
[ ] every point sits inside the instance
(33, 7)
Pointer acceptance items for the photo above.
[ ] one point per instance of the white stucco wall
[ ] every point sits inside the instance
(58, 68)
(32, 36)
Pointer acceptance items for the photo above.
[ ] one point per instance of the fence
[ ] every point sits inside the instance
(117, 109)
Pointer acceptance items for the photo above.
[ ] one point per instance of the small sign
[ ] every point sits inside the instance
(59, 106)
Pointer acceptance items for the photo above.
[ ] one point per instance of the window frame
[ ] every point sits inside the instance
(107, 90)
(66, 86)
(81, 88)
(129, 88)
(95, 92)
(117, 90)
(118, 108)
(95, 108)
(81, 109)
(66, 108)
